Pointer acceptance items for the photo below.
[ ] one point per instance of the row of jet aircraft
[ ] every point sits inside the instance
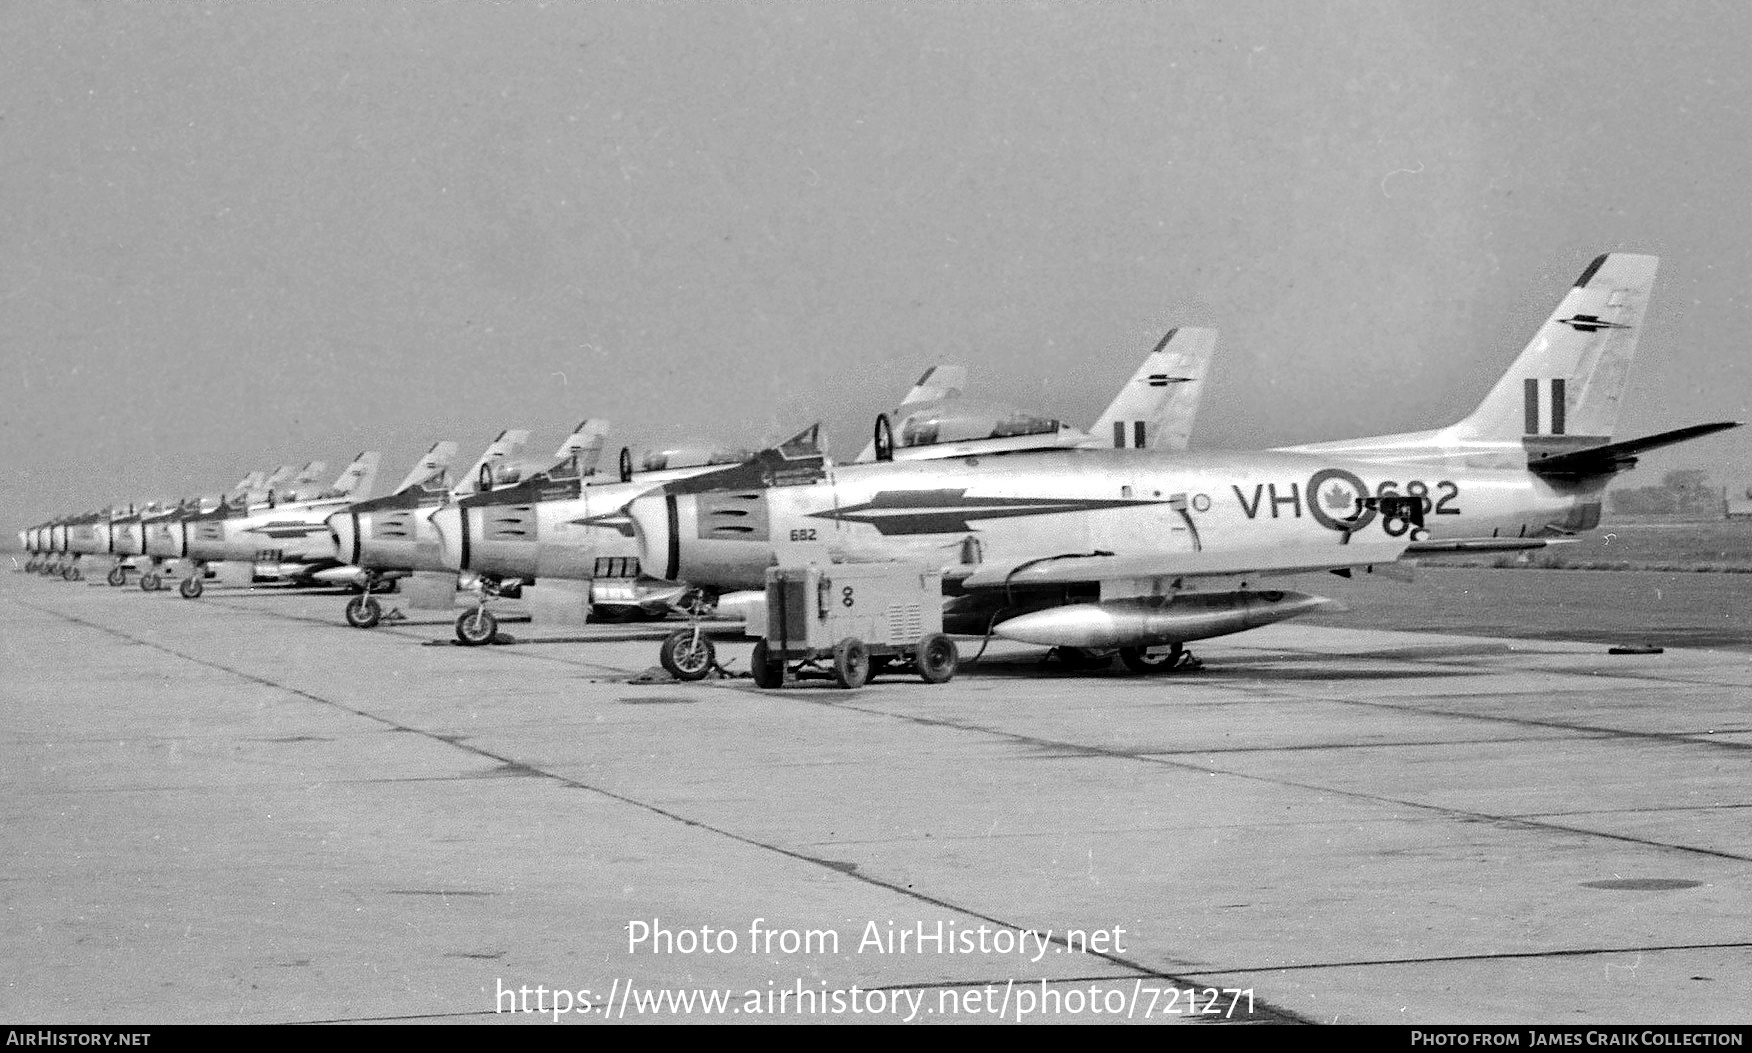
(1117, 539)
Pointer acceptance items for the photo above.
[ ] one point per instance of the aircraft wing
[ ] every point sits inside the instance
(1156, 407)
(1107, 566)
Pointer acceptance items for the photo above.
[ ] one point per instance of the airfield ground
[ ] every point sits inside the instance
(239, 809)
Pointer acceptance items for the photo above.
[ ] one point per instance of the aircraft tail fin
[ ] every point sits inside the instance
(480, 476)
(1156, 407)
(943, 381)
(308, 474)
(577, 456)
(359, 477)
(432, 466)
(1570, 379)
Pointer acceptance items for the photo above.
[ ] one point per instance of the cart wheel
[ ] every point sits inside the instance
(192, 586)
(768, 671)
(1150, 660)
(150, 582)
(686, 656)
(938, 659)
(363, 612)
(851, 663)
(477, 627)
(117, 577)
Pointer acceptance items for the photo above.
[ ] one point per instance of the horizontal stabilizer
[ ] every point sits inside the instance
(1618, 456)
(1108, 566)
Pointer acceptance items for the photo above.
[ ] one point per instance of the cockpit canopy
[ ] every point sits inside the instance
(965, 420)
(690, 457)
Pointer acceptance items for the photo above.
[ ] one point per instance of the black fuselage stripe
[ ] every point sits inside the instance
(463, 515)
(358, 537)
(673, 569)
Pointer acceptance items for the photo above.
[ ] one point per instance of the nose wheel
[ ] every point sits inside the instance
(117, 577)
(687, 654)
(477, 627)
(192, 586)
(363, 612)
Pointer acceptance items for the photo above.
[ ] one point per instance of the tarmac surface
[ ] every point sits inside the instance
(237, 809)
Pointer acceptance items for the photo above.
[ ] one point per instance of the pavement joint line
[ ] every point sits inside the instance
(1573, 952)
(1461, 814)
(1263, 1008)
(1674, 738)
(1077, 749)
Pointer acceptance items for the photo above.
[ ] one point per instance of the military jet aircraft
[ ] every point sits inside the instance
(566, 524)
(560, 527)
(395, 537)
(1145, 551)
(1153, 410)
(292, 540)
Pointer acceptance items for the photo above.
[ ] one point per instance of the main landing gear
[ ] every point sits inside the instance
(1145, 661)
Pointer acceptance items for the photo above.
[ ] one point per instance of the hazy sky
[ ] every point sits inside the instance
(242, 234)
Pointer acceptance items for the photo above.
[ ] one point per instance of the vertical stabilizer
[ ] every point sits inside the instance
(944, 381)
(357, 480)
(1570, 379)
(577, 456)
(1156, 407)
(432, 466)
(506, 445)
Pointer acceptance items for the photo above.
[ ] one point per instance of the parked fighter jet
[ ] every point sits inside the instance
(1153, 410)
(1144, 551)
(567, 525)
(292, 539)
(393, 538)
(561, 528)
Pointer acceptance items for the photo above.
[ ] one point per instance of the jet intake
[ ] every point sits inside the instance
(722, 538)
(1151, 621)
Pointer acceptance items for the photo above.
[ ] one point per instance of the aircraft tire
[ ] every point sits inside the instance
(151, 582)
(1140, 660)
(71, 574)
(117, 577)
(768, 671)
(937, 659)
(851, 663)
(363, 612)
(685, 657)
(476, 628)
(1083, 658)
(192, 586)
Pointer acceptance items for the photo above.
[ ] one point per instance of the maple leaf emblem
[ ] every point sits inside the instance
(1339, 498)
